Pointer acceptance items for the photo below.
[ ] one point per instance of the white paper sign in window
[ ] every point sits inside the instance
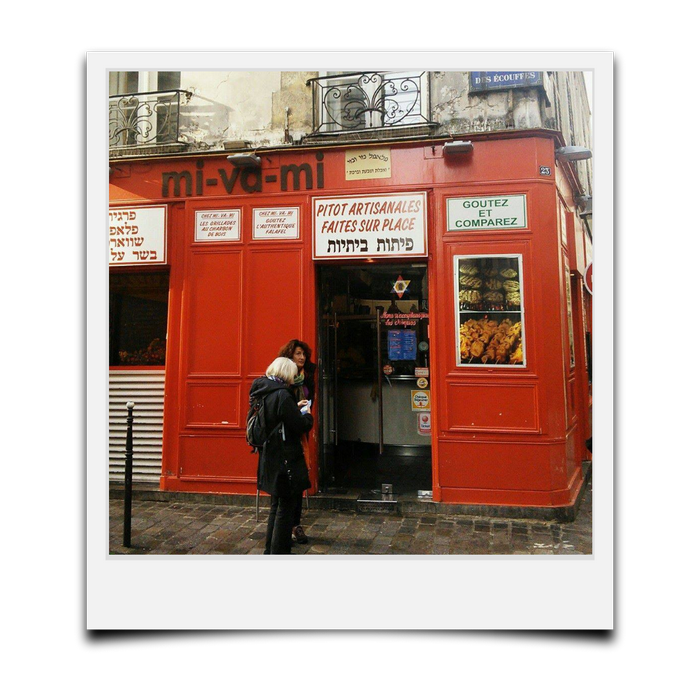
(137, 235)
(373, 226)
(273, 224)
(217, 225)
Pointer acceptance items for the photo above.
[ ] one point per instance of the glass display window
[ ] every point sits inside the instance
(570, 318)
(138, 316)
(488, 303)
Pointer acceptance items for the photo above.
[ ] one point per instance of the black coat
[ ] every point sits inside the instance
(282, 470)
(310, 379)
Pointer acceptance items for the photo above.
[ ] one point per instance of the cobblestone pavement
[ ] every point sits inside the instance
(195, 528)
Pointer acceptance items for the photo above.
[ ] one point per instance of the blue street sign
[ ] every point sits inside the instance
(482, 81)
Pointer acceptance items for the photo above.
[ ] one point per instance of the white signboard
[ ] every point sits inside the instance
(137, 235)
(487, 213)
(368, 164)
(272, 224)
(372, 226)
(221, 225)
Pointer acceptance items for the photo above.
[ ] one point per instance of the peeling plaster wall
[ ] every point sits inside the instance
(258, 100)
(294, 95)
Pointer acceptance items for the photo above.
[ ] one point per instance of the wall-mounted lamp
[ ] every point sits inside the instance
(245, 160)
(584, 204)
(569, 153)
(457, 148)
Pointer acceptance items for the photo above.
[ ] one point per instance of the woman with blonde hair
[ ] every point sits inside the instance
(282, 470)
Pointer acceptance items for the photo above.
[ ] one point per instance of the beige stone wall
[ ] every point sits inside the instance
(459, 112)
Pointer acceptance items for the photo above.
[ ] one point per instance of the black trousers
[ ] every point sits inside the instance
(298, 503)
(278, 539)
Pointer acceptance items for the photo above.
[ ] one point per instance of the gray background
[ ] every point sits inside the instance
(37, 656)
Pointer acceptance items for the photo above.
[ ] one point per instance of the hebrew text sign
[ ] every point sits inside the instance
(368, 164)
(137, 236)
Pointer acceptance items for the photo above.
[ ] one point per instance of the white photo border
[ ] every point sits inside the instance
(427, 592)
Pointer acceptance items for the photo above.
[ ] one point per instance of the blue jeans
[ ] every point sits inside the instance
(278, 539)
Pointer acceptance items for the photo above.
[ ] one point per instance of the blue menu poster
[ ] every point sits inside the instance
(402, 345)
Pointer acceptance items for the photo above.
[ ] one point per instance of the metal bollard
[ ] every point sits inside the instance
(128, 472)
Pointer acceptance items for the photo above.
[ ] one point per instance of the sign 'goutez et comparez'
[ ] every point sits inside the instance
(486, 213)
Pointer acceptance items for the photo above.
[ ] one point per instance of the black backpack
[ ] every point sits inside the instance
(256, 432)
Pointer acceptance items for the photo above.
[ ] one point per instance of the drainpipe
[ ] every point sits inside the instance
(287, 138)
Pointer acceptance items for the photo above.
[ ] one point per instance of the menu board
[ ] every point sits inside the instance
(489, 310)
(402, 345)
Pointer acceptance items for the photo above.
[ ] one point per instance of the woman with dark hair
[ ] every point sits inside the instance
(304, 388)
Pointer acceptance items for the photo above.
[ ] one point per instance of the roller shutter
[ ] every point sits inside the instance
(146, 389)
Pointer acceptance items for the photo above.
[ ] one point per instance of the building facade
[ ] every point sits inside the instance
(428, 234)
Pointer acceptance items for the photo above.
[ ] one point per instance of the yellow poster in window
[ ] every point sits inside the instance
(420, 400)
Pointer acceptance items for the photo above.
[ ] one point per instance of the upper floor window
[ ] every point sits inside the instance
(144, 108)
(370, 100)
(149, 108)
(123, 82)
(130, 82)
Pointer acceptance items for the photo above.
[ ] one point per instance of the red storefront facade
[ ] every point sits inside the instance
(505, 433)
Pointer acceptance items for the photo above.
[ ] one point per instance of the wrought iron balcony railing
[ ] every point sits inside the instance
(379, 99)
(166, 118)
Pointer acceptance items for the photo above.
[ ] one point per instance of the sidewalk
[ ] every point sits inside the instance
(166, 527)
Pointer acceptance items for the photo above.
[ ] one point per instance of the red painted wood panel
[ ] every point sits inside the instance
(495, 406)
(213, 312)
(274, 302)
(221, 458)
(213, 404)
(491, 464)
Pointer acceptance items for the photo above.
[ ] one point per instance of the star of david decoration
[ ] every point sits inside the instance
(400, 286)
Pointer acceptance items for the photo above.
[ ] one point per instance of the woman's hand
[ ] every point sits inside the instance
(301, 403)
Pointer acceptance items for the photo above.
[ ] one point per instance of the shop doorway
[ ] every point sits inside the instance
(374, 388)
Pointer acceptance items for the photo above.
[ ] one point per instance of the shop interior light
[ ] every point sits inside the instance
(569, 153)
(585, 204)
(457, 148)
(244, 160)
